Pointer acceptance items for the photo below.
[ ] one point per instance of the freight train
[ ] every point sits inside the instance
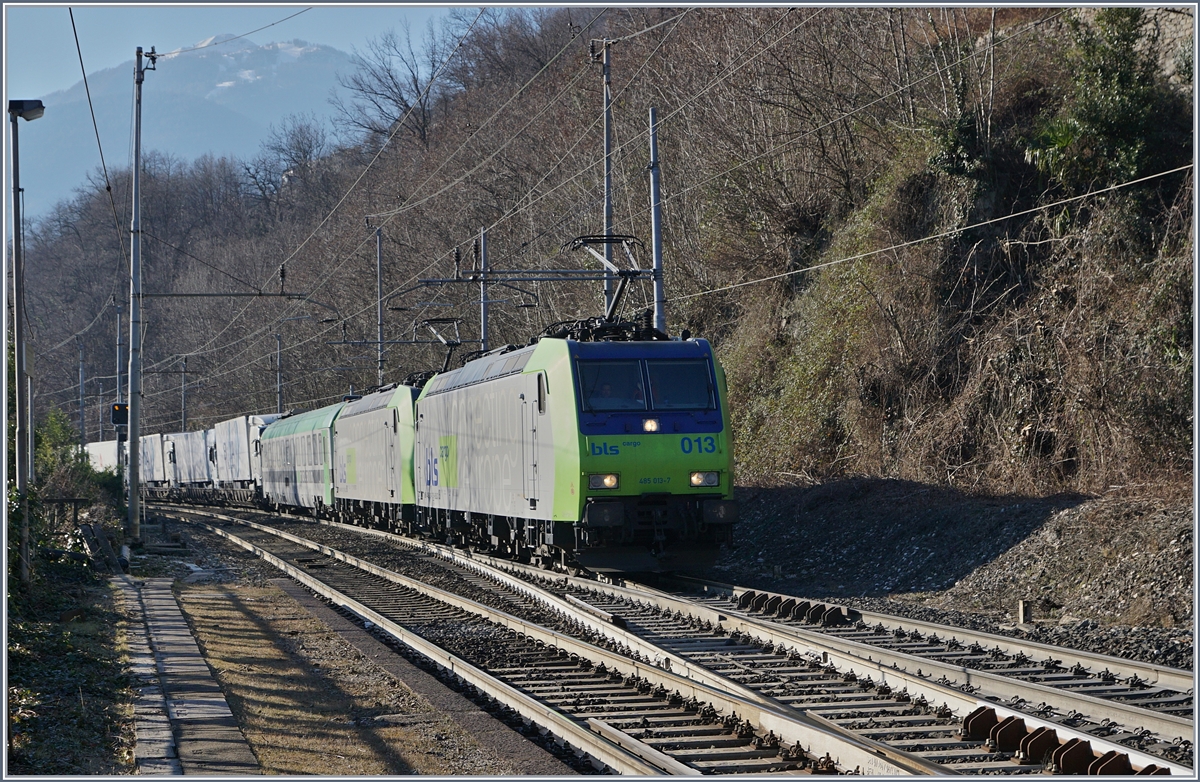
(598, 445)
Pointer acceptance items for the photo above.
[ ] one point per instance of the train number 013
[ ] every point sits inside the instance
(698, 445)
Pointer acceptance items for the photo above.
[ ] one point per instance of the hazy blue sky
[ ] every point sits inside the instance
(39, 47)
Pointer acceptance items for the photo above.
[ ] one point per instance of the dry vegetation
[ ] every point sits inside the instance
(1047, 351)
(944, 302)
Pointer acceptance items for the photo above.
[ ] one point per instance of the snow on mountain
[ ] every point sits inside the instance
(219, 96)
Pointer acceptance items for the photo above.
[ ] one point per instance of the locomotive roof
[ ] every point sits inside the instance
(691, 348)
(392, 397)
(490, 366)
(483, 368)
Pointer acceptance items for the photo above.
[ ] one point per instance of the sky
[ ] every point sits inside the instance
(39, 46)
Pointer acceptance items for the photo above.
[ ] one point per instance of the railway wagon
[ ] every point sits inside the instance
(297, 460)
(238, 444)
(189, 451)
(372, 457)
(153, 466)
(104, 456)
(613, 454)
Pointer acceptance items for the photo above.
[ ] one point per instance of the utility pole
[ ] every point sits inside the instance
(135, 308)
(660, 295)
(119, 344)
(279, 374)
(82, 425)
(379, 301)
(30, 110)
(29, 428)
(183, 397)
(608, 195)
(483, 302)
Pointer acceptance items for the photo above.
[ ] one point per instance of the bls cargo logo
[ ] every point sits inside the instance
(441, 466)
(604, 449)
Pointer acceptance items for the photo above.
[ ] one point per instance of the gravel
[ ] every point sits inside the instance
(1111, 574)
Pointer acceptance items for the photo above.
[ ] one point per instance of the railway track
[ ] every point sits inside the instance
(1155, 688)
(628, 715)
(916, 722)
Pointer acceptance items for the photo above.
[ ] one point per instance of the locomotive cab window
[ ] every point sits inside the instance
(680, 385)
(611, 385)
(541, 398)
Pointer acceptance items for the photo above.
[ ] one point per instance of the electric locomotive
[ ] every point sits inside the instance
(609, 454)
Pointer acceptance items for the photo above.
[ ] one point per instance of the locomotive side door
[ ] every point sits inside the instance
(390, 434)
(529, 441)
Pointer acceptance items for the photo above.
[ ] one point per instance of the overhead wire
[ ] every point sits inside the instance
(222, 371)
(104, 166)
(202, 262)
(108, 189)
(96, 128)
(488, 121)
(466, 175)
(398, 126)
(463, 177)
(517, 210)
(726, 74)
(932, 237)
(236, 37)
(937, 71)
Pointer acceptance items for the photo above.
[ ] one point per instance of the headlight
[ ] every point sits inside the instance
(706, 478)
(650, 425)
(604, 481)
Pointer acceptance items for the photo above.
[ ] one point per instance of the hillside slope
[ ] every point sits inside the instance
(1112, 573)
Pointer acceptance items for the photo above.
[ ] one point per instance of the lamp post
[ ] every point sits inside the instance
(30, 110)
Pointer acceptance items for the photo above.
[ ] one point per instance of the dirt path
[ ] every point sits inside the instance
(309, 703)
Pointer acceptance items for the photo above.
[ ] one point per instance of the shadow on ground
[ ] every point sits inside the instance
(873, 536)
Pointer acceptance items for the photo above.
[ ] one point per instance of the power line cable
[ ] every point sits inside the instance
(488, 121)
(399, 124)
(931, 238)
(464, 144)
(236, 37)
(99, 146)
(463, 177)
(202, 261)
(108, 189)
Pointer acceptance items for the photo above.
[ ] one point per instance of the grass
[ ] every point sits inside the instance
(69, 694)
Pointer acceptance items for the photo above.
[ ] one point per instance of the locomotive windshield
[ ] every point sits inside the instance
(611, 385)
(682, 384)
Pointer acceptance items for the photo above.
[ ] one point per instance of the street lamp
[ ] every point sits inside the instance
(30, 110)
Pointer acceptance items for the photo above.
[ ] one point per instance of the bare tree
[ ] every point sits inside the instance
(393, 83)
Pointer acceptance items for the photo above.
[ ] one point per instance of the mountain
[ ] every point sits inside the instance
(220, 100)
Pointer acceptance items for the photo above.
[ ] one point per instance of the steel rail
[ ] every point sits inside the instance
(597, 746)
(889, 667)
(816, 733)
(993, 684)
(989, 683)
(1170, 678)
